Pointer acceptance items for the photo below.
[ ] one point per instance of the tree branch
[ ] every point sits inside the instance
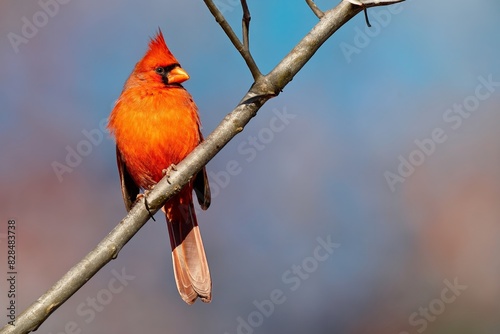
(373, 3)
(264, 88)
(245, 25)
(364, 4)
(318, 12)
(244, 51)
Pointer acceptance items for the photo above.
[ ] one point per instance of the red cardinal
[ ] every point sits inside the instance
(156, 124)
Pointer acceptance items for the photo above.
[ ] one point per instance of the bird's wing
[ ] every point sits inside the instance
(201, 186)
(130, 189)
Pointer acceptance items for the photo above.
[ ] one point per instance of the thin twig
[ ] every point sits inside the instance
(373, 3)
(252, 66)
(263, 89)
(365, 4)
(318, 12)
(366, 17)
(245, 25)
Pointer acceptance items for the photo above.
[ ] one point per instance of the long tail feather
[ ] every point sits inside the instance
(188, 255)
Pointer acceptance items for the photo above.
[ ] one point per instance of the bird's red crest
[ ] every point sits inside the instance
(158, 54)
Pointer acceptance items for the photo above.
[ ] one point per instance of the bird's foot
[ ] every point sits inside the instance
(140, 196)
(167, 171)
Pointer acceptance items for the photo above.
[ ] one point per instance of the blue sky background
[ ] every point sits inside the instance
(322, 176)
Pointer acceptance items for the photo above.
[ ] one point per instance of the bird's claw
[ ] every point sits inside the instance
(140, 196)
(167, 171)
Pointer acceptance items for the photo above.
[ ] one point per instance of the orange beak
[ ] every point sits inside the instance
(177, 75)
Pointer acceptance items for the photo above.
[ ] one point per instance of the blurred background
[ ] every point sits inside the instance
(386, 145)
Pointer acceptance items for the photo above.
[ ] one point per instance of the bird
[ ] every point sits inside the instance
(155, 124)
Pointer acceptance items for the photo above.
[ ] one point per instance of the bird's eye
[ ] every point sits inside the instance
(160, 70)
